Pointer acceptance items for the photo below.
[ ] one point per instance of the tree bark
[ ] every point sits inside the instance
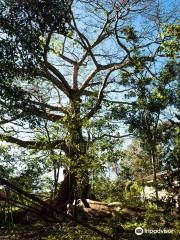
(66, 192)
(75, 183)
(154, 175)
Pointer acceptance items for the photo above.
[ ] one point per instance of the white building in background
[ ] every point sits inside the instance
(149, 191)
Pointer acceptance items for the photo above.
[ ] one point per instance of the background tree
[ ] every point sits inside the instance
(151, 112)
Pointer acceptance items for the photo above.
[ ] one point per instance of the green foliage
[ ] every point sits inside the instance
(132, 194)
(171, 40)
(71, 232)
(103, 189)
(157, 218)
(130, 34)
(56, 45)
(25, 30)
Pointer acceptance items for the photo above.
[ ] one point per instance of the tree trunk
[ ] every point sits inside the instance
(66, 192)
(76, 181)
(154, 174)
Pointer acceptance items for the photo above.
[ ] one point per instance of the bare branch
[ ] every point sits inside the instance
(116, 66)
(67, 59)
(54, 80)
(118, 91)
(100, 98)
(41, 114)
(62, 83)
(5, 121)
(48, 116)
(75, 76)
(89, 78)
(118, 102)
(112, 136)
(86, 44)
(50, 107)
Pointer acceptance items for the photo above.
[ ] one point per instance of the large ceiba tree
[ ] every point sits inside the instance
(63, 68)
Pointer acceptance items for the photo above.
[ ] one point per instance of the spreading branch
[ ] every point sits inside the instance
(39, 145)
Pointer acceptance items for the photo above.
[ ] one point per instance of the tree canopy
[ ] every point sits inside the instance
(75, 76)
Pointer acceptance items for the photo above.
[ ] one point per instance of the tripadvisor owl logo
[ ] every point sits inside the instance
(139, 231)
